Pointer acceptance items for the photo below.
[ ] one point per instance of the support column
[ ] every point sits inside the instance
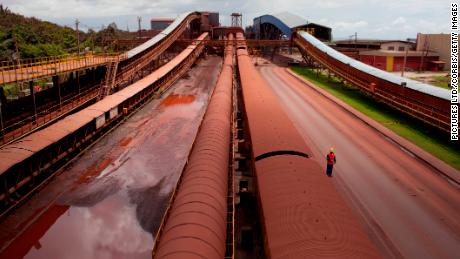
(32, 94)
(57, 84)
(1, 115)
(78, 80)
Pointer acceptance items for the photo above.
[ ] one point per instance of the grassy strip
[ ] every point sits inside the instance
(442, 81)
(426, 137)
(439, 81)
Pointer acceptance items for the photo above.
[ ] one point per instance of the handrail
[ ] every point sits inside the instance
(144, 58)
(33, 122)
(27, 69)
(377, 87)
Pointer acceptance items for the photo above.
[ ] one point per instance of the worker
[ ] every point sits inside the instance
(331, 160)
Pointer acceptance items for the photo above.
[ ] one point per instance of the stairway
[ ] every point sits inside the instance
(109, 80)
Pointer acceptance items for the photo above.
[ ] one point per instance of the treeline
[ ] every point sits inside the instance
(31, 37)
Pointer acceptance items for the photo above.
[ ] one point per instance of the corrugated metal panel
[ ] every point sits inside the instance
(305, 217)
(22, 149)
(270, 128)
(109, 102)
(35, 143)
(290, 19)
(7, 161)
(158, 37)
(284, 21)
(418, 86)
(272, 20)
(28, 146)
(11, 156)
(303, 214)
(196, 226)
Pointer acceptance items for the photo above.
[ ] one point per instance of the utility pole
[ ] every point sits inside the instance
(424, 54)
(16, 57)
(78, 37)
(16, 50)
(92, 40)
(1, 115)
(139, 19)
(356, 42)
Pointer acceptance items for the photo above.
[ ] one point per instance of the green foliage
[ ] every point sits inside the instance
(10, 90)
(41, 50)
(35, 38)
(30, 51)
(441, 81)
(426, 137)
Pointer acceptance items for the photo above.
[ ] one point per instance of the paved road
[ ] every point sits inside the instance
(409, 210)
(109, 202)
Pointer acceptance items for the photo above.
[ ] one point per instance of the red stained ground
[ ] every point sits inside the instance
(110, 201)
(409, 209)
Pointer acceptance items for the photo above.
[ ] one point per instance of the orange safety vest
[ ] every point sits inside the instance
(330, 158)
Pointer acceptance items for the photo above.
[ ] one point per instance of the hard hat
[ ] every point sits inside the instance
(331, 150)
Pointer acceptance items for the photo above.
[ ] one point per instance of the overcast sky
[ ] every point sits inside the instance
(387, 19)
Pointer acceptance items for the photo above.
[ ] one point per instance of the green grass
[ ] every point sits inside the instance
(441, 81)
(426, 137)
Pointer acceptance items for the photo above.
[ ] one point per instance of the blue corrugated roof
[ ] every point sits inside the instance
(284, 21)
(291, 20)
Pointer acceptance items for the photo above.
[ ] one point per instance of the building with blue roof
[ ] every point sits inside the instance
(282, 25)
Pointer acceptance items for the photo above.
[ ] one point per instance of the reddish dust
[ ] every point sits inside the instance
(32, 235)
(124, 142)
(94, 170)
(116, 215)
(175, 99)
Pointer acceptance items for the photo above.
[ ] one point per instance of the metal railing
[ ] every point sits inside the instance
(405, 104)
(28, 69)
(31, 123)
(143, 59)
(249, 43)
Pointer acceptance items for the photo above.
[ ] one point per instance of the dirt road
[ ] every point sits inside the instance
(410, 211)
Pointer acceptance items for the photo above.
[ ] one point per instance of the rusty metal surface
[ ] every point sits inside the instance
(303, 215)
(141, 56)
(111, 101)
(22, 178)
(424, 102)
(23, 127)
(10, 156)
(392, 189)
(29, 69)
(185, 17)
(45, 67)
(249, 43)
(196, 221)
(75, 121)
(397, 80)
(116, 193)
(270, 129)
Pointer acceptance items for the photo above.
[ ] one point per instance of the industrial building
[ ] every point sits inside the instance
(160, 24)
(282, 25)
(209, 20)
(439, 43)
(391, 60)
(389, 55)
